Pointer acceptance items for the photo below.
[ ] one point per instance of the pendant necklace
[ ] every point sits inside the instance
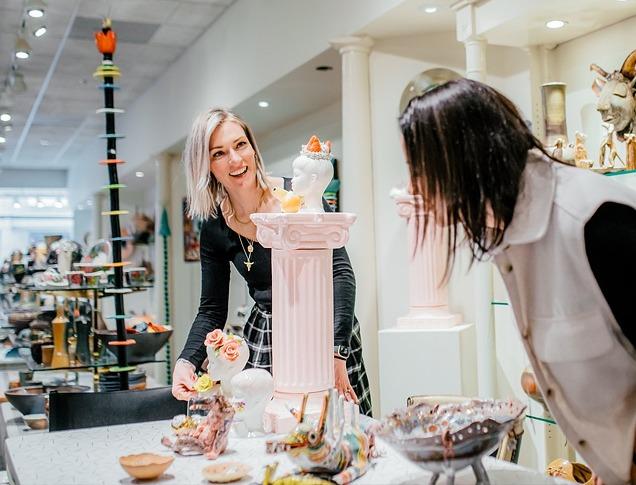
(248, 254)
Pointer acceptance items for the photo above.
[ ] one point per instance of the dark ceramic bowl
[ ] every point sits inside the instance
(146, 346)
(31, 400)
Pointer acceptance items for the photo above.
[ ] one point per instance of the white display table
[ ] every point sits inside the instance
(90, 456)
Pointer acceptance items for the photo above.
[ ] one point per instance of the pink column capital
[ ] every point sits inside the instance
(303, 230)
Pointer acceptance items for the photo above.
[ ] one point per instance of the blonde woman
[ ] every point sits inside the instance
(226, 183)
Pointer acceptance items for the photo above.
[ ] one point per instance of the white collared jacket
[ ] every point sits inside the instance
(585, 366)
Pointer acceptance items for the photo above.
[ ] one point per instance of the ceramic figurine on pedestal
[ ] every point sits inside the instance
(313, 171)
(605, 159)
(227, 356)
(253, 390)
(581, 158)
(202, 434)
(60, 353)
(335, 446)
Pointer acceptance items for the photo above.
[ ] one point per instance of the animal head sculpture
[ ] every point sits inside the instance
(615, 91)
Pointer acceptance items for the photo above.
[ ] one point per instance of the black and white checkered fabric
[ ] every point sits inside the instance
(258, 334)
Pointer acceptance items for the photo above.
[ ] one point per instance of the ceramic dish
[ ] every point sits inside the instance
(230, 471)
(145, 466)
(36, 421)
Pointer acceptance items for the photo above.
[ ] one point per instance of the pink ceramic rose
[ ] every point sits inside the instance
(215, 339)
(231, 350)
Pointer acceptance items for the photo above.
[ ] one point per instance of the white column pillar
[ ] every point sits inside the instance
(466, 15)
(97, 229)
(356, 175)
(162, 200)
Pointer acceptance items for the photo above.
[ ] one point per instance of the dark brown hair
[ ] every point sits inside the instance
(466, 147)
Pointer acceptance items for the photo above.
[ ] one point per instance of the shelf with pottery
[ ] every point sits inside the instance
(86, 291)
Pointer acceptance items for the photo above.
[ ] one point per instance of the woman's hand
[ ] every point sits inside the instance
(183, 379)
(342, 380)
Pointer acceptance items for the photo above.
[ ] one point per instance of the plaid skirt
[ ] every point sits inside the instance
(258, 335)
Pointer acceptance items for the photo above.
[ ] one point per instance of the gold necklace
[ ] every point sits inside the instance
(248, 254)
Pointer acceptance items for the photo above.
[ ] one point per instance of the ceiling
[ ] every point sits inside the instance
(151, 35)
(525, 21)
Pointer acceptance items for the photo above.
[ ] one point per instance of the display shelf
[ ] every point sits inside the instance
(94, 365)
(85, 288)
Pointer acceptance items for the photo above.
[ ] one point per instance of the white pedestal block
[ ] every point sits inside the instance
(425, 361)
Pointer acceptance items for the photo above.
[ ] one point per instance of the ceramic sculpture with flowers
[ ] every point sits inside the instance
(227, 356)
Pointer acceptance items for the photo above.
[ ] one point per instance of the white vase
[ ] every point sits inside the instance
(253, 390)
(223, 370)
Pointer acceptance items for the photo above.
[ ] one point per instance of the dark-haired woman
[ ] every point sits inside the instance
(564, 240)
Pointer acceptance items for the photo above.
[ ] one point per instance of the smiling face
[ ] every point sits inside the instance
(232, 157)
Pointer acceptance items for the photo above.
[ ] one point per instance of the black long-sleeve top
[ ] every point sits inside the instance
(221, 246)
(610, 240)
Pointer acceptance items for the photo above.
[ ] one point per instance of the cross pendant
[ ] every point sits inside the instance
(248, 264)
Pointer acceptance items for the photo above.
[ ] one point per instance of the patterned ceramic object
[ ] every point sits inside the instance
(447, 438)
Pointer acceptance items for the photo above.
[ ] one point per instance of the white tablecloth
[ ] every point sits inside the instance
(90, 456)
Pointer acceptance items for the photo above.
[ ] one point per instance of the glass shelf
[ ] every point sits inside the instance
(86, 288)
(96, 364)
(542, 419)
(620, 172)
(499, 303)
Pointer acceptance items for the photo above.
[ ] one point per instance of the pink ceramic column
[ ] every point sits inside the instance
(302, 307)
(302, 316)
(428, 297)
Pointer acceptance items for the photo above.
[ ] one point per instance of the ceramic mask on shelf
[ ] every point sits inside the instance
(252, 390)
(313, 171)
(227, 356)
(67, 252)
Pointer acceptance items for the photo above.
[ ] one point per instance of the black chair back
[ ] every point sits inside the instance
(74, 410)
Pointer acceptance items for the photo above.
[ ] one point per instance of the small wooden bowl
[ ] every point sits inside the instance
(230, 471)
(36, 421)
(145, 466)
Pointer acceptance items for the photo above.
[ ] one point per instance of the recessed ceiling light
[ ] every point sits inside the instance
(430, 9)
(39, 204)
(17, 205)
(22, 48)
(40, 31)
(139, 174)
(5, 117)
(263, 104)
(3, 139)
(8, 128)
(45, 143)
(324, 68)
(555, 24)
(58, 205)
(35, 8)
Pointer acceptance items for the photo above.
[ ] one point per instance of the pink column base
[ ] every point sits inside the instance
(277, 417)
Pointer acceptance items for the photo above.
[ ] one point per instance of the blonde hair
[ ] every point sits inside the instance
(204, 192)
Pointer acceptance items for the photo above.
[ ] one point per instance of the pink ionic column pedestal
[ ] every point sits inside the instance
(302, 308)
(428, 297)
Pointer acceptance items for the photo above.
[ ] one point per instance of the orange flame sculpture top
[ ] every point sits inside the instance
(106, 39)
